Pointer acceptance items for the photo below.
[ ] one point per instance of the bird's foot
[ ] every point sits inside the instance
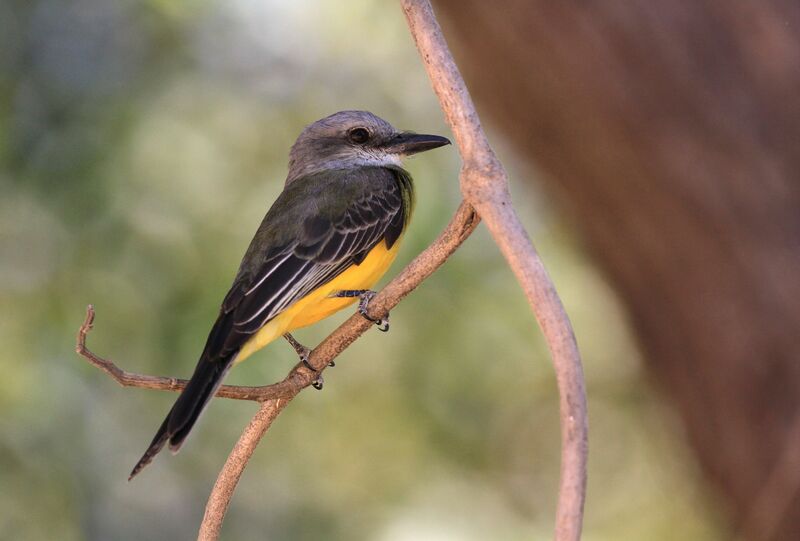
(364, 298)
(303, 352)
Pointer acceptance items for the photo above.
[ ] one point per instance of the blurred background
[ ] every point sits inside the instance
(141, 143)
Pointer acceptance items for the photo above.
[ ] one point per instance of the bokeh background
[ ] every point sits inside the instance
(141, 142)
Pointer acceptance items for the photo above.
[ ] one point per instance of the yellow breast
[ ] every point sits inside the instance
(319, 303)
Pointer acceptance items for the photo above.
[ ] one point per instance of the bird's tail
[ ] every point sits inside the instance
(207, 377)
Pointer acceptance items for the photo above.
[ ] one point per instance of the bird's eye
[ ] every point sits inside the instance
(358, 135)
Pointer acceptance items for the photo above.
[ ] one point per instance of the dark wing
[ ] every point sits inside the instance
(326, 245)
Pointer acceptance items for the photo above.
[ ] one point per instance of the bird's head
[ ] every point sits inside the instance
(354, 139)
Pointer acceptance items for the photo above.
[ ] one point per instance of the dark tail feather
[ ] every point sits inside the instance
(207, 377)
(155, 446)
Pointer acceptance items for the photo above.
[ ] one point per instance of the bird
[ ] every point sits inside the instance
(330, 235)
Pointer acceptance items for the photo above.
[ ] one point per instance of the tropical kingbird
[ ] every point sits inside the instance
(328, 238)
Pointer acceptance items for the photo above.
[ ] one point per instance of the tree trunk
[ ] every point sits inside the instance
(670, 131)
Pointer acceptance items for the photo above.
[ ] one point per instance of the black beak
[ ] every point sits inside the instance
(411, 143)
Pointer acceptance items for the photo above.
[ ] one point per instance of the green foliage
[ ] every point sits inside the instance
(140, 145)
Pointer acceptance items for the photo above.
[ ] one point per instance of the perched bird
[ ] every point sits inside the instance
(328, 238)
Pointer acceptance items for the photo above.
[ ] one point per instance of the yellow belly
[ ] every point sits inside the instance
(319, 304)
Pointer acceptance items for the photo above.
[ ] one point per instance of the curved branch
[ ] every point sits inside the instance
(231, 472)
(484, 184)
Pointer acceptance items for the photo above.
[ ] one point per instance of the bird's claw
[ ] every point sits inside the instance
(303, 352)
(363, 305)
(318, 381)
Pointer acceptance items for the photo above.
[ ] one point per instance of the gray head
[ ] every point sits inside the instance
(354, 139)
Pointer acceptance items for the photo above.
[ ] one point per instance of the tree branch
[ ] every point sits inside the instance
(231, 472)
(484, 184)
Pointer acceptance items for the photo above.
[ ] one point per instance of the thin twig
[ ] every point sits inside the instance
(484, 184)
(282, 389)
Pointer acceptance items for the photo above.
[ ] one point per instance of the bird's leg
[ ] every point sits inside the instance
(364, 296)
(303, 352)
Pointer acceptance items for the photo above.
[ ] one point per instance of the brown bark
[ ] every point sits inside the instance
(670, 132)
